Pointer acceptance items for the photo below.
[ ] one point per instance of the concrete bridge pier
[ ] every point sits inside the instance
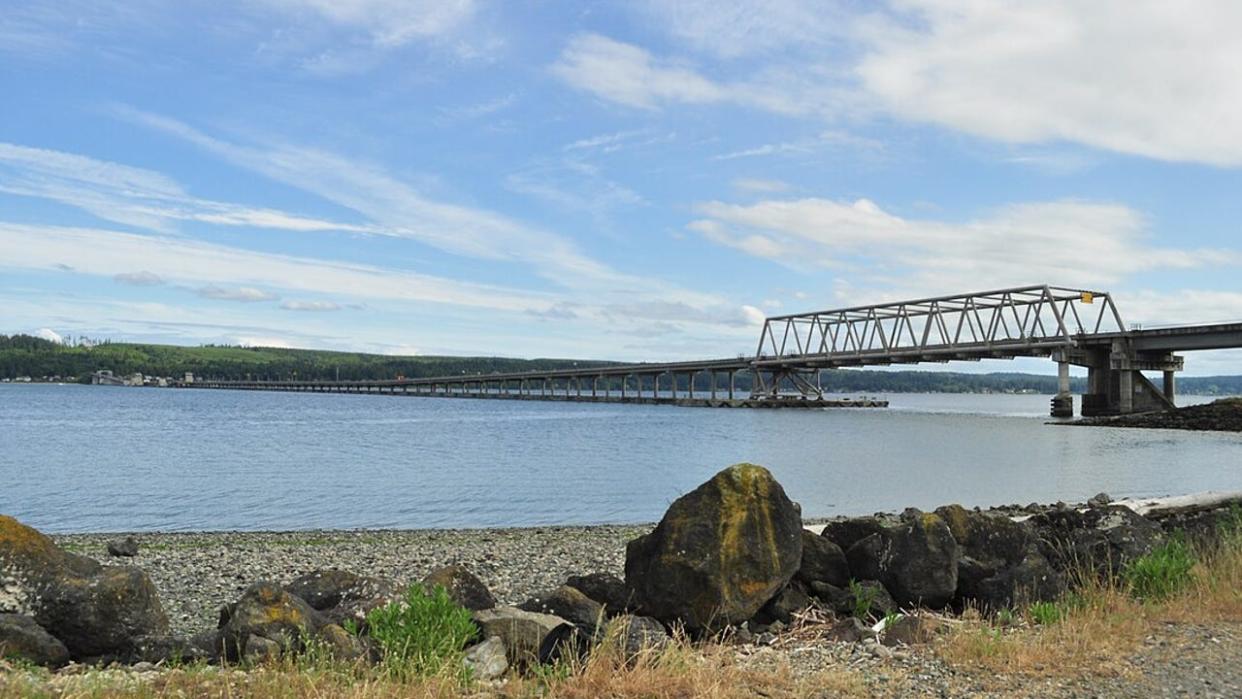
(1063, 401)
(1116, 384)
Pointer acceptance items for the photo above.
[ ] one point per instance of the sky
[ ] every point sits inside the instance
(608, 180)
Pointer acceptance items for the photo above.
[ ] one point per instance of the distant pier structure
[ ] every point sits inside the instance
(1079, 327)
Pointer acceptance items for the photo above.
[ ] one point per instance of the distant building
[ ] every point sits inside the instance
(189, 377)
(105, 378)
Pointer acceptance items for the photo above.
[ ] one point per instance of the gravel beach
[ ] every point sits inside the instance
(197, 573)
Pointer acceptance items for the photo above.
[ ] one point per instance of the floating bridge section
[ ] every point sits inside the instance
(1071, 326)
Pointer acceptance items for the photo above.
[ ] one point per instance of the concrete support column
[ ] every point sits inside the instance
(1170, 385)
(1063, 401)
(732, 376)
(1126, 397)
(712, 377)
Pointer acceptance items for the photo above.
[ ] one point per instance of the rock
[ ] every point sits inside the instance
(605, 588)
(1001, 565)
(784, 605)
(1105, 539)
(864, 556)
(175, 649)
(343, 596)
(340, 643)
(822, 561)
(911, 630)
(570, 604)
(719, 553)
(486, 660)
(259, 650)
(462, 586)
(1100, 500)
(847, 532)
(522, 632)
(867, 596)
(849, 630)
(127, 547)
(267, 612)
(916, 560)
(637, 634)
(95, 611)
(21, 637)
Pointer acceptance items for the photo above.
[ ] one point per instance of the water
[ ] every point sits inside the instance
(93, 458)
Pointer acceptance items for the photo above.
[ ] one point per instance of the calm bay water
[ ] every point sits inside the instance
(90, 458)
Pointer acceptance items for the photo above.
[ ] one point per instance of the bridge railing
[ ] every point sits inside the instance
(1032, 318)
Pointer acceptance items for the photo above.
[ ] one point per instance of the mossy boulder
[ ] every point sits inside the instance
(342, 596)
(916, 559)
(822, 561)
(605, 588)
(22, 638)
(96, 611)
(570, 604)
(1000, 564)
(462, 586)
(267, 611)
(1104, 538)
(720, 552)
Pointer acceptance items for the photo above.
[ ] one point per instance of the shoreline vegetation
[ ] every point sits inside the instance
(37, 359)
(1163, 616)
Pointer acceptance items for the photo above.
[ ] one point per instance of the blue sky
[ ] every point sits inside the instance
(635, 180)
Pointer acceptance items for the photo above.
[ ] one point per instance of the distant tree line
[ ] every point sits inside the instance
(25, 355)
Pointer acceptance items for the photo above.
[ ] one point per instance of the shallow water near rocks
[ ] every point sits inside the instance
(92, 458)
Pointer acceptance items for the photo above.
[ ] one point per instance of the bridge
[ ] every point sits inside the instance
(1079, 327)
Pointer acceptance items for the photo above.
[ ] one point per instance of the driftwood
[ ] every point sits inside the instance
(1160, 508)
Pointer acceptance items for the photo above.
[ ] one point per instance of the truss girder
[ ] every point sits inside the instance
(1004, 322)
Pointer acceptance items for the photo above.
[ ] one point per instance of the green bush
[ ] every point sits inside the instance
(421, 634)
(863, 597)
(1161, 573)
(1045, 613)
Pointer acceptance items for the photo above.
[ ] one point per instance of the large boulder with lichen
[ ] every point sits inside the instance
(22, 638)
(462, 586)
(916, 559)
(1105, 539)
(1001, 564)
(266, 611)
(342, 596)
(720, 552)
(96, 611)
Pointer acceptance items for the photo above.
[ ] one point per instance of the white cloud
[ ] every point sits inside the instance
(1143, 77)
(311, 306)
(734, 28)
(630, 75)
(751, 184)
(262, 341)
(1060, 242)
(131, 195)
(825, 140)
(140, 278)
(389, 22)
(108, 253)
(49, 335)
(244, 294)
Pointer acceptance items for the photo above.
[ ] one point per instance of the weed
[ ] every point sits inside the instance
(1162, 573)
(422, 634)
(863, 598)
(1006, 617)
(1045, 613)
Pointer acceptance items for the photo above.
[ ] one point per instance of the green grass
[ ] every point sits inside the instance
(1045, 613)
(863, 597)
(421, 635)
(1162, 573)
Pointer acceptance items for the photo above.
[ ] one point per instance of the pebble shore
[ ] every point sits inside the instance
(197, 573)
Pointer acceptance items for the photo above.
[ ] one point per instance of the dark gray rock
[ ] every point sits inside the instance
(719, 553)
(638, 634)
(822, 561)
(21, 637)
(343, 596)
(95, 611)
(570, 604)
(869, 596)
(462, 586)
(486, 660)
(1100, 500)
(916, 560)
(523, 633)
(1001, 565)
(1103, 539)
(127, 547)
(847, 532)
(849, 630)
(266, 611)
(784, 605)
(911, 630)
(605, 588)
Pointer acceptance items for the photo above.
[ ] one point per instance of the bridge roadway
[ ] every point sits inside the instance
(1071, 326)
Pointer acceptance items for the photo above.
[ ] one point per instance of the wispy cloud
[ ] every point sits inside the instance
(243, 294)
(141, 278)
(388, 22)
(823, 141)
(751, 184)
(1068, 242)
(314, 306)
